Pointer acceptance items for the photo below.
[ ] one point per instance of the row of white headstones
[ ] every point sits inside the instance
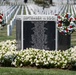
(10, 12)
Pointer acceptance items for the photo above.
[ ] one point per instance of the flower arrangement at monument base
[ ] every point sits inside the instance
(9, 56)
(66, 24)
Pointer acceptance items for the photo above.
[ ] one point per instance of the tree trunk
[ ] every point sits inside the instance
(51, 2)
(74, 1)
(67, 1)
(25, 1)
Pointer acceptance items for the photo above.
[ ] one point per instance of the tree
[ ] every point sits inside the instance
(74, 1)
(67, 1)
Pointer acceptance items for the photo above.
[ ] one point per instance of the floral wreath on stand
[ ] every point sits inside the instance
(2, 22)
(66, 24)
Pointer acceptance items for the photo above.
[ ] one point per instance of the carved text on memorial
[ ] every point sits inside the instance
(39, 38)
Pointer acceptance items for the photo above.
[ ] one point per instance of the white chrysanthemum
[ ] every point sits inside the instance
(46, 63)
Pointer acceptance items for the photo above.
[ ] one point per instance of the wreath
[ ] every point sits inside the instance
(66, 24)
(2, 22)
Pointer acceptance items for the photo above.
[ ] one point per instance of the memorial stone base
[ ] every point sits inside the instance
(40, 32)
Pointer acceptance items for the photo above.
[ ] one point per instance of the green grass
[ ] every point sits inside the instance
(19, 12)
(34, 71)
(73, 39)
(3, 34)
(24, 12)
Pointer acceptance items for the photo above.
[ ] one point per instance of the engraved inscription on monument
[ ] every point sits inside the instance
(39, 34)
(39, 38)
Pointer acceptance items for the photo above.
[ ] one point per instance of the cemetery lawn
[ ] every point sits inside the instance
(3, 34)
(34, 71)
